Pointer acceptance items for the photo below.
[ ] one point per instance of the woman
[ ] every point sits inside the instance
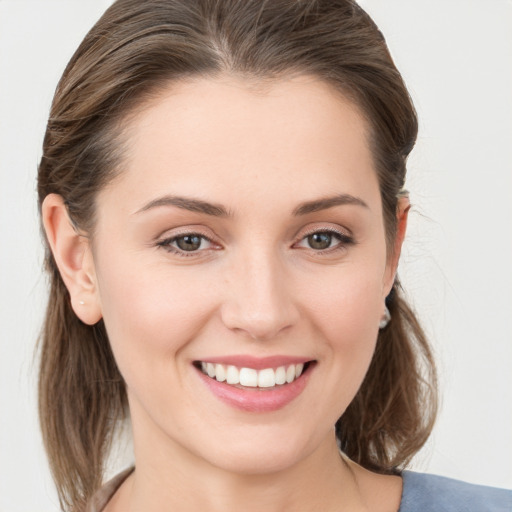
(222, 194)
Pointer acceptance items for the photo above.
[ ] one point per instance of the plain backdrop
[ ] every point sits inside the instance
(456, 57)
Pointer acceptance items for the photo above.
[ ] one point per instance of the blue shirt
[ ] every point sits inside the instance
(430, 493)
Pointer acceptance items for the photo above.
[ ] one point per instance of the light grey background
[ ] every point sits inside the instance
(456, 57)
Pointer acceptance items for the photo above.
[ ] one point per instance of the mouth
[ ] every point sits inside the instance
(245, 377)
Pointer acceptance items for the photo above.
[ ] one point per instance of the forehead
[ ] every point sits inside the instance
(215, 136)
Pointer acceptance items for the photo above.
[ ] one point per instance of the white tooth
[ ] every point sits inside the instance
(249, 377)
(266, 378)
(220, 373)
(290, 373)
(203, 367)
(298, 370)
(210, 369)
(232, 375)
(281, 375)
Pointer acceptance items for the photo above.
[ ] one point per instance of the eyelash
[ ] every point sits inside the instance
(167, 244)
(344, 240)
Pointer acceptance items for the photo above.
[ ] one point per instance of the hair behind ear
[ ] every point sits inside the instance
(394, 411)
(81, 393)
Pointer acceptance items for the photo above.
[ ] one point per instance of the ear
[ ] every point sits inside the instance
(74, 259)
(402, 215)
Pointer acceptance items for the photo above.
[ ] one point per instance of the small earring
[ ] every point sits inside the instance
(386, 317)
(81, 303)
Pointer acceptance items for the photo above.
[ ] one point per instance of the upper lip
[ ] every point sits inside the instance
(257, 363)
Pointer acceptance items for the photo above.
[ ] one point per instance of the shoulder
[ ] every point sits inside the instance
(429, 493)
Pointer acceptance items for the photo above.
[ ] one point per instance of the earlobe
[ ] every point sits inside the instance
(73, 256)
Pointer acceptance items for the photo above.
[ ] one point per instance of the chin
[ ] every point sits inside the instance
(260, 463)
(262, 453)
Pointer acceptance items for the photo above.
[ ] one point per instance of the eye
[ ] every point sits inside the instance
(325, 239)
(189, 242)
(186, 244)
(320, 240)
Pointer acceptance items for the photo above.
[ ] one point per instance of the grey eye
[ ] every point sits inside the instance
(189, 242)
(320, 240)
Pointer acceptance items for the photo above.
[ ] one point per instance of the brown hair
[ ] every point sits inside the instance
(136, 49)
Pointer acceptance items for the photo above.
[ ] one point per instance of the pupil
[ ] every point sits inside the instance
(189, 242)
(320, 240)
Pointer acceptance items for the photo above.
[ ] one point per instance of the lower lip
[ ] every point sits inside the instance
(257, 399)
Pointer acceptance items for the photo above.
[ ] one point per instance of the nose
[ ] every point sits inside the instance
(259, 298)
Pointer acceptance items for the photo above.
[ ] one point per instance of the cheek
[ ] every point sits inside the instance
(149, 314)
(346, 315)
(348, 306)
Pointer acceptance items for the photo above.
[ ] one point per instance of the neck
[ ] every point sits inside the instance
(178, 480)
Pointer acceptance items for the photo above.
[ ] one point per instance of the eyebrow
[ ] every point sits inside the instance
(328, 202)
(187, 203)
(217, 210)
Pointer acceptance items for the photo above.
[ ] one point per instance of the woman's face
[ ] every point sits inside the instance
(245, 231)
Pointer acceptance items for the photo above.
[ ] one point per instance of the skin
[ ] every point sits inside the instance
(256, 288)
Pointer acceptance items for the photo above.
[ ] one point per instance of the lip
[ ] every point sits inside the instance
(257, 363)
(257, 400)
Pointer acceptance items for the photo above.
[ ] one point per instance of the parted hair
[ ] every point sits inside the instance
(138, 48)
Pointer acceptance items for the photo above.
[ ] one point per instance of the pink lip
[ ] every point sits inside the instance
(257, 399)
(257, 363)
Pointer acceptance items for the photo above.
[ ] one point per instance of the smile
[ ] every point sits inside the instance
(255, 385)
(251, 377)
